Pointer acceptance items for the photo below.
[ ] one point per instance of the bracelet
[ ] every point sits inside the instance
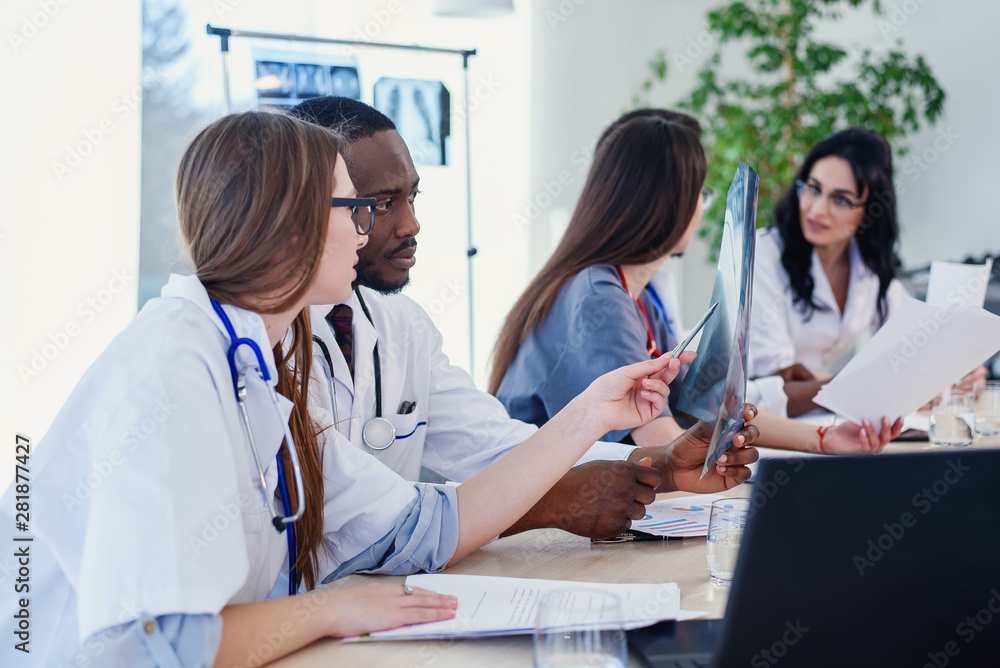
(821, 431)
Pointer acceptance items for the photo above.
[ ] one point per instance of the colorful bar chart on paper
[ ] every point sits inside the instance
(681, 517)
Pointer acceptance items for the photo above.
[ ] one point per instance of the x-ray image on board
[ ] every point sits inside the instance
(283, 78)
(344, 82)
(275, 79)
(421, 111)
(309, 80)
(715, 386)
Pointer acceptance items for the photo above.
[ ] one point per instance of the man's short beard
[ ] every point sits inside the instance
(370, 278)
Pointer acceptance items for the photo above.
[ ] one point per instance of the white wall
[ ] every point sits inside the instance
(68, 238)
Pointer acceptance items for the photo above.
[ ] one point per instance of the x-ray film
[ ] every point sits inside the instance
(715, 387)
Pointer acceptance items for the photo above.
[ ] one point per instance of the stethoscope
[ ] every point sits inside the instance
(378, 433)
(240, 387)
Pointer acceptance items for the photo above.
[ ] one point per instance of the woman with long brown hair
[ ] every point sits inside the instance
(167, 488)
(588, 309)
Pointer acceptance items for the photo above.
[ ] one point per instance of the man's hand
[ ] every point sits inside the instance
(974, 381)
(597, 499)
(682, 461)
(795, 372)
(800, 395)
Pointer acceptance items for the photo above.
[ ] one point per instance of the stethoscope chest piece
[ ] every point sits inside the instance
(379, 433)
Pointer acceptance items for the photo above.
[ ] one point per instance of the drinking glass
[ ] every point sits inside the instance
(987, 409)
(578, 627)
(952, 419)
(725, 531)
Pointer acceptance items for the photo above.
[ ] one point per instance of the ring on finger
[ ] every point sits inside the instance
(407, 589)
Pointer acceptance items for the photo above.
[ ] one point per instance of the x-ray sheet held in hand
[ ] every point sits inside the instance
(716, 385)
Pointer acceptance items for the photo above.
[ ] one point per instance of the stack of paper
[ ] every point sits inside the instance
(918, 352)
(496, 606)
(958, 286)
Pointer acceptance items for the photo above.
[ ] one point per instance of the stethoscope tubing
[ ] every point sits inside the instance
(239, 387)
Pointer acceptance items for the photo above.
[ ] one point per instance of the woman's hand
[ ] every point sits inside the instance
(686, 458)
(382, 606)
(634, 394)
(850, 438)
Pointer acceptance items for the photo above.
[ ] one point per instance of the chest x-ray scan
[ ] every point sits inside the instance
(716, 385)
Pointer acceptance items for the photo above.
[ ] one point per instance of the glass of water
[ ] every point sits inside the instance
(579, 627)
(952, 419)
(725, 532)
(988, 409)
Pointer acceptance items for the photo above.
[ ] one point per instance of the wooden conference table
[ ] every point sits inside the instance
(551, 554)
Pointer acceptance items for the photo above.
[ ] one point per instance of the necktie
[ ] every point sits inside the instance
(340, 318)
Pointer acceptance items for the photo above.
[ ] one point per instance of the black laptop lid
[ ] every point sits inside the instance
(892, 560)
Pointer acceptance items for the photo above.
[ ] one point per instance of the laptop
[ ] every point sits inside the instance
(892, 560)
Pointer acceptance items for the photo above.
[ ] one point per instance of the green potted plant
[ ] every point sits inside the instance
(800, 91)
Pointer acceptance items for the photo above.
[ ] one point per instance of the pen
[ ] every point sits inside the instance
(697, 328)
(628, 537)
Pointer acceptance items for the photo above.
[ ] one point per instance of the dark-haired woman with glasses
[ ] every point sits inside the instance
(825, 272)
(589, 308)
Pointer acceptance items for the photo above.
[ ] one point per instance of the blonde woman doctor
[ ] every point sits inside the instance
(153, 511)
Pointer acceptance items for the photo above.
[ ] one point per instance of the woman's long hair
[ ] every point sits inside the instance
(253, 199)
(642, 190)
(870, 158)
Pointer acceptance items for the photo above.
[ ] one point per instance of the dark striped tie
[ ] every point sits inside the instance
(340, 318)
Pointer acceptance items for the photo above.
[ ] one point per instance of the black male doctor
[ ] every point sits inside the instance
(398, 397)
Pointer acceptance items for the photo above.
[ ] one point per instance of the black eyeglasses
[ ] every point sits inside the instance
(362, 211)
(839, 205)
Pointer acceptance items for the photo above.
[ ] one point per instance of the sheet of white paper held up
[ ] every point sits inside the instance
(958, 286)
(495, 606)
(920, 350)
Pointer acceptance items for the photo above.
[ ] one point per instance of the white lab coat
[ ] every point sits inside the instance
(455, 429)
(145, 496)
(781, 336)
